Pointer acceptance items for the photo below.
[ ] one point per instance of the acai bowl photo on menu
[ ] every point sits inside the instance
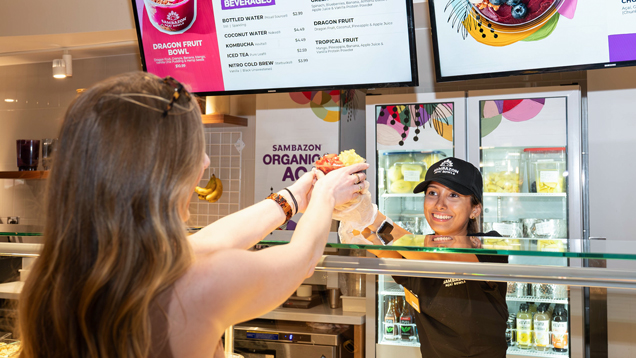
(514, 12)
(172, 16)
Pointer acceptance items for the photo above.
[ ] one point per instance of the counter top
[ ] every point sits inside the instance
(11, 290)
(320, 314)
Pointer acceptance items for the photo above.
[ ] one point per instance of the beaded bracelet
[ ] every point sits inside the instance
(283, 204)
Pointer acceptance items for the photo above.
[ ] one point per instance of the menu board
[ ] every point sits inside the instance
(244, 46)
(490, 38)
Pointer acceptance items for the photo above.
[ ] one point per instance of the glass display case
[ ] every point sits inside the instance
(528, 153)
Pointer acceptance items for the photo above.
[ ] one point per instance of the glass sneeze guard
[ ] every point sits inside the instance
(565, 248)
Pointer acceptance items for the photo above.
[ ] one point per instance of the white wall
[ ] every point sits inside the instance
(42, 17)
(41, 103)
(612, 147)
(38, 112)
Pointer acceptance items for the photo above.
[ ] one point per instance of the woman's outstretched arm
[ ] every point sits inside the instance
(247, 227)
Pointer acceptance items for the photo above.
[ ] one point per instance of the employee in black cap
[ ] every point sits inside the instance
(456, 318)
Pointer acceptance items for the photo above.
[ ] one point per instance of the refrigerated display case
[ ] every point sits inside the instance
(409, 134)
(527, 145)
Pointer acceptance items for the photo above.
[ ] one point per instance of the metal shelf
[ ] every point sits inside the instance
(321, 314)
(532, 353)
(537, 299)
(508, 298)
(480, 271)
(528, 195)
(391, 293)
(399, 343)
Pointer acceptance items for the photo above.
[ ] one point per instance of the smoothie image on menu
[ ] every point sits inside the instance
(171, 16)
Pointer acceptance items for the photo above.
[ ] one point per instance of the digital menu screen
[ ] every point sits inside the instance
(250, 46)
(491, 38)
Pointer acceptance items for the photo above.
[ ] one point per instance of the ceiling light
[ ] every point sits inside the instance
(9, 100)
(68, 61)
(63, 68)
(59, 69)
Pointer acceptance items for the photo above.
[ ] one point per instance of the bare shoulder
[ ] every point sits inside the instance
(231, 286)
(198, 303)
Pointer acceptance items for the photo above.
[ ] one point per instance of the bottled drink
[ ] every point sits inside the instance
(550, 310)
(390, 320)
(524, 327)
(532, 308)
(510, 330)
(406, 322)
(398, 307)
(560, 329)
(542, 329)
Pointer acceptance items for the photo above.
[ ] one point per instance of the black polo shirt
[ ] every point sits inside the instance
(461, 318)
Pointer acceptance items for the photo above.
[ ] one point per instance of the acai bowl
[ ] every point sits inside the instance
(514, 12)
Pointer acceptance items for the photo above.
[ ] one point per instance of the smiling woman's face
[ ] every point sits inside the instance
(447, 211)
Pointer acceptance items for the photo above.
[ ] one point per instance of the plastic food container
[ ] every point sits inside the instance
(549, 228)
(543, 290)
(512, 229)
(402, 177)
(521, 289)
(353, 304)
(546, 168)
(9, 348)
(502, 170)
(429, 158)
(400, 172)
(560, 291)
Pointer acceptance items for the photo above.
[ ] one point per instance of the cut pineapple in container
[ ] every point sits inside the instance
(502, 170)
(502, 182)
(546, 170)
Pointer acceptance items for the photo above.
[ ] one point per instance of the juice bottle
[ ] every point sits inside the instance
(406, 322)
(550, 310)
(510, 331)
(542, 329)
(524, 327)
(532, 308)
(390, 320)
(398, 307)
(560, 329)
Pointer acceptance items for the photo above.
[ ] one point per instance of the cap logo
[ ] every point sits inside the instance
(446, 168)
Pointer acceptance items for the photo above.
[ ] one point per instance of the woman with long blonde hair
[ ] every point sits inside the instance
(118, 276)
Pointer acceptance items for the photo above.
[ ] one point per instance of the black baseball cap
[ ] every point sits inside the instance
(456, 174)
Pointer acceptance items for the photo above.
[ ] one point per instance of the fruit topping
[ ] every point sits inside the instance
(513, 2)
(519, 11)
(497, 2)
(350, 157)
(328, 163)
(331, 162)
(487, 4)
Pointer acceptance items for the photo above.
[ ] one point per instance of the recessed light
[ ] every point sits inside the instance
(9, 100)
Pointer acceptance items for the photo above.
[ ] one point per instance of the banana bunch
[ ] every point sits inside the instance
(212, 191)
